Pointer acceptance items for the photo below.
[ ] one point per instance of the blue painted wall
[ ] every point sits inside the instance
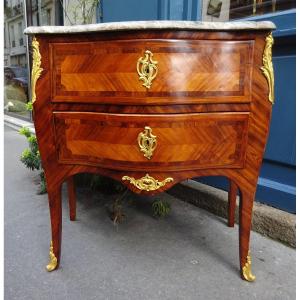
(129, 10)
(277, 181)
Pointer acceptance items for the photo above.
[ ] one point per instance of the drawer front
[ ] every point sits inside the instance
(200, 71)
(141, 142)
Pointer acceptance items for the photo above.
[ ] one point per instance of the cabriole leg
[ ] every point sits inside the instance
(231, 202)
(54, 197)
(246, 205)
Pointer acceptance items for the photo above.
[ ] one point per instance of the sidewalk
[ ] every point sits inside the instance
(190, 254)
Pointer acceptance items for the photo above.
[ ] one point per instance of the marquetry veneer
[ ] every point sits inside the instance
(152, 104)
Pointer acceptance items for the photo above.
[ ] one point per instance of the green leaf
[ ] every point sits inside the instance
(25, 131)
(29, 106)
(161, 208)
(30, 159)
(33, 143)
(43, 184)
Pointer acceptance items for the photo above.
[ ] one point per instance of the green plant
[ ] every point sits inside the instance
(29, 105)
(117, 215)
(161, 208)
(43, 185)
(30, 157)
(25, 131)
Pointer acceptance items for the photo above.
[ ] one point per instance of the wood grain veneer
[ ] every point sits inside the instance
(184, 141)
(201, 70)
(208, 107)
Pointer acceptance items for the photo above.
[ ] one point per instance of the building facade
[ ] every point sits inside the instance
(14, 44)
(39, 12)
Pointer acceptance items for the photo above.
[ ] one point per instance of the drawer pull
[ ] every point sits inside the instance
(147, 142)
(147, 183)
(147, 68)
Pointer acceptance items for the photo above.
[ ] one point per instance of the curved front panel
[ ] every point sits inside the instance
(152, 142)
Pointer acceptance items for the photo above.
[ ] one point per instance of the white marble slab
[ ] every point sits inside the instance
(140, 25)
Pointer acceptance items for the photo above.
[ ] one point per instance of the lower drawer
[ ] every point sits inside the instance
(152, 142)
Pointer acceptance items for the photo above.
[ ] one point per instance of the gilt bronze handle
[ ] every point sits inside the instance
(147, 142)
(147, 68)
(147, 183)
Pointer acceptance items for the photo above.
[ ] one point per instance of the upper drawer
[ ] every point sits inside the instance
(199, 71)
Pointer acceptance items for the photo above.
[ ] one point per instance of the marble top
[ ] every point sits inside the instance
(140, 25)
